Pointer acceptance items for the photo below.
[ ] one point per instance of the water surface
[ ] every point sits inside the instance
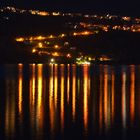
(39, 101)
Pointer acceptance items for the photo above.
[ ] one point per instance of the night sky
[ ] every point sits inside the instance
(122, 7)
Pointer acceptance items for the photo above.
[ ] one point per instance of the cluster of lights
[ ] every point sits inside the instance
(84, 60)
(83, 33)
(45, 48)
(106, 28)
(55, 50)
(126, 18)
(87, 59)
(41, 13)
(88, 29)
(52, 61)
(90, 26)
(46, 13)
(39, 38)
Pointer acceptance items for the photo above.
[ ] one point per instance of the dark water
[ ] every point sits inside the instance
(40, 101)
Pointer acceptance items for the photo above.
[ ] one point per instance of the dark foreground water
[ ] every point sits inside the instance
(40, 101)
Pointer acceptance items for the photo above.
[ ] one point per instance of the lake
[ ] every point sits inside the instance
(40, 101)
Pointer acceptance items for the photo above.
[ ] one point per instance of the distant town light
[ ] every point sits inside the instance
(56, 46)
(51, 36)
(33, 50)
(86, 33)
(89, 59)
(63, 35)
(20, 39)
(40, 38)
(52, 60)
(40, 45)
(126, 18)
(55, 54)
(69, 55)
(43, 13)
(55, 13)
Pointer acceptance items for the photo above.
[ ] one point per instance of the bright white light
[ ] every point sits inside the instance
(52, 60)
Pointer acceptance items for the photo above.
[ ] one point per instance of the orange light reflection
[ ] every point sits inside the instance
(85, 101)
(113, 96)
(73, 91)
(39, 118)
(32, 94)
(51, 100)
(124, 98)
(62, 96)
(101, 101)
(68, 84)
(106, 97)
(20, 80)
(55, 84)
(32, 85)
(132, 93)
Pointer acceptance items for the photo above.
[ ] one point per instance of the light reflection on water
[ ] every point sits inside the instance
(86, 90)
(68, 101)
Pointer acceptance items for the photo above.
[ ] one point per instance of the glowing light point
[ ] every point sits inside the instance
(68, 55)
(20, 39)
(55, 54)
(40, 45)
(63, 35)
(33, 50)
(74, 34)
(52, 61)
(56, 46)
